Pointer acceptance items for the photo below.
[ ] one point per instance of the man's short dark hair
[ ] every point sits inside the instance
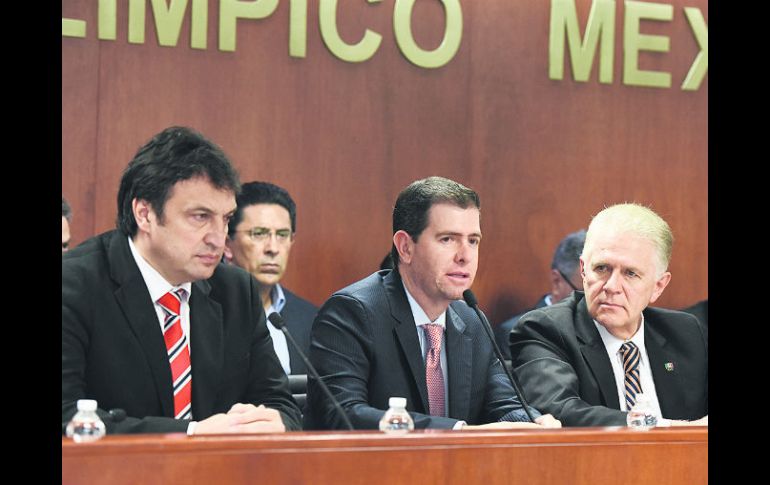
(66, 210)
(410, 213)
(566, 258)
(253, 193)
(171, 156)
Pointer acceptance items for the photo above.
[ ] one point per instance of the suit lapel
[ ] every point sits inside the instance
(667, 385)
(206, 347)
(459, 354)
(595, 355)
(406, 332)
(135, 302)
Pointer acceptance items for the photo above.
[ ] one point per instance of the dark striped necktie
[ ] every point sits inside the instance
(630, 353)
(178, 353)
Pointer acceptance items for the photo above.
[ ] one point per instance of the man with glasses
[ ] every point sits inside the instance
(565, 278)
(260, 236)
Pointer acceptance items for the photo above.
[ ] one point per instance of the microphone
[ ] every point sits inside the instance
(277, 320)
(470, 299)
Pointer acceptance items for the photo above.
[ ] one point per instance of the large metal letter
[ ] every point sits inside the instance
(327, 18)
(136, 12)
(73, 28)
(701, 63)
(633, 42)
(600, 29)
(108, 19)
(297, 28)
(231, 10)
(168, 22)
(453, 33)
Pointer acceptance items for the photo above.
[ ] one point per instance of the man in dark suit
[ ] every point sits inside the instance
(565, 278)
(587, 358)
(260, 237)
(153, 324)
(400, 332)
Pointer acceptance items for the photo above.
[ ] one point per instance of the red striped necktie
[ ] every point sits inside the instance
(178, 353)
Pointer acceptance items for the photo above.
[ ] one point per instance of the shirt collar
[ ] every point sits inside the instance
(156, 284)
(613, 344)
(278, 299)
(420, 317)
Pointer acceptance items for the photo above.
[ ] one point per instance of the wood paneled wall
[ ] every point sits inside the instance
(345, 138)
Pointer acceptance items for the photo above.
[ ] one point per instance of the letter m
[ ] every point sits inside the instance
(600, 29)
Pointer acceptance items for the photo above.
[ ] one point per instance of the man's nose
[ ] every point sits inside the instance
(613, 282)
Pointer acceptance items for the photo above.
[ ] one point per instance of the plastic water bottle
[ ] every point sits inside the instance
(86, 425)
(396, 420)
(641, 416)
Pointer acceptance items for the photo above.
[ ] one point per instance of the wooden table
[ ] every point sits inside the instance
(594, 456)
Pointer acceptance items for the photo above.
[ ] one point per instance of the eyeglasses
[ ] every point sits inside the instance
(262, 234)
(569, 282)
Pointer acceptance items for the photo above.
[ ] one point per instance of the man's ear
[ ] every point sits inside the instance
(404, 245)
(660, 285)
(143, 214)
(228, 253)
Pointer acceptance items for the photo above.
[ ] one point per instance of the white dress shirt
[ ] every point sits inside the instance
(612, 345)
(280, 345)
(158, 286)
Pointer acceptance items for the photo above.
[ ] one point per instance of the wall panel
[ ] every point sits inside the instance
(344, 138)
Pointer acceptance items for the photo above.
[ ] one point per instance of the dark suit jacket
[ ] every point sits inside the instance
(701, 312)
(113, 349)
(365, 346)
(298, 314)
(502, 330)
(564, 369)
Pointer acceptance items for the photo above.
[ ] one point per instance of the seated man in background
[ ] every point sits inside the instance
(586, 358)
(260, 236)
(66, 219)
(401, 332)
(565, 278)
(153, 324)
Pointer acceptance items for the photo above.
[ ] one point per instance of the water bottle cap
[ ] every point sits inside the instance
(397, 402)
(86, 405)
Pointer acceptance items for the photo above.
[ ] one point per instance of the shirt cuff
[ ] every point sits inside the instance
(459, 425)
(191, 428)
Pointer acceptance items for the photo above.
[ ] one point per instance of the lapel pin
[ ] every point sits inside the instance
(669, 366)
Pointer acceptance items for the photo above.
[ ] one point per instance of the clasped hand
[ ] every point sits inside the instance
(243, 418)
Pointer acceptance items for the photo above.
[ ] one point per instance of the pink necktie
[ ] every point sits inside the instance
(433, 376)
(178, 353)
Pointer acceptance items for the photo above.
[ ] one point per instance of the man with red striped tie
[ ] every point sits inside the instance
(153, 324)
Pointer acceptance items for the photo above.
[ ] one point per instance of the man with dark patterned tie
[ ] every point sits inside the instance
(401, 332)
(153, 324)
(588, 357)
